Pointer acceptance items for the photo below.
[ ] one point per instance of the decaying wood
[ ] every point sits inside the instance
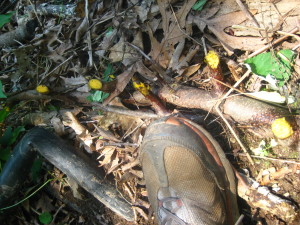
(21, 34)
(261, 197)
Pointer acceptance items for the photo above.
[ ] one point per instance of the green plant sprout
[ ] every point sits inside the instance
(29, 196)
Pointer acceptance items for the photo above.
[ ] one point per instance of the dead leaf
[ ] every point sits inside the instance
(58, 126)
(130, 165)
(107, 153)
(217, 26)
(191, 70)
(123, 52)
(45, 204)
(276, 14)
(82, 29)
(122, 81)
(143, 9)
(173, 24)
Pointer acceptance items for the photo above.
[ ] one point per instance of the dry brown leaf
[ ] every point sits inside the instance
(123, 52)
(122, 81)
(130, 165)
(276, 15)
(114, 164)
(82, 29)
(107, 153)
(191, 70)
(217, 26)
(143, 9)
(173, 27)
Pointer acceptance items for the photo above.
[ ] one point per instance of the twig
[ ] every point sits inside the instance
(127, 112)
(269, 158)
(120, 145)
(226, 121)
(162, 77)
(133, 130)
(188, 36)
(55, 214)
(239, 221)
(248, 95)
(289, 34)
(204, 45)
(35, 12)
(293, 31)
(68, 59)
(247, 13)
(89, 40)
(235, 135)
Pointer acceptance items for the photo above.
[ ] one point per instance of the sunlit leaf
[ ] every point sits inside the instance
(280, 65)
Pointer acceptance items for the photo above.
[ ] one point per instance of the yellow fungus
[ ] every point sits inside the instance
(281, 128)
(42, 89)
(212, 59)
(95, 84)
(141, 87)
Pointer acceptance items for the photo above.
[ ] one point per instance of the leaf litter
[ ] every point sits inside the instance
(163, 45)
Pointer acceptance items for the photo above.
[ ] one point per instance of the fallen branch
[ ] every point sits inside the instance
(56, 10)
(246, 111)
(22, 33)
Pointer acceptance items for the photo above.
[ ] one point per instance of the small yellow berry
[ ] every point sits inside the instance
(212, 59)
(281, 128)
(42, 89)
(95, 84)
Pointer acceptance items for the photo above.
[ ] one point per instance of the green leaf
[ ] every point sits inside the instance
(15, 134)
(280, 66)
(89, 98)
(99, 96)
(5, 153)
(109, 31)
(36, 169)
(199, 5)
(109, 70)
(10, 136)
(4, 140)
(3, 114)
(5, 18)
(45, 218)
(2, 95)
